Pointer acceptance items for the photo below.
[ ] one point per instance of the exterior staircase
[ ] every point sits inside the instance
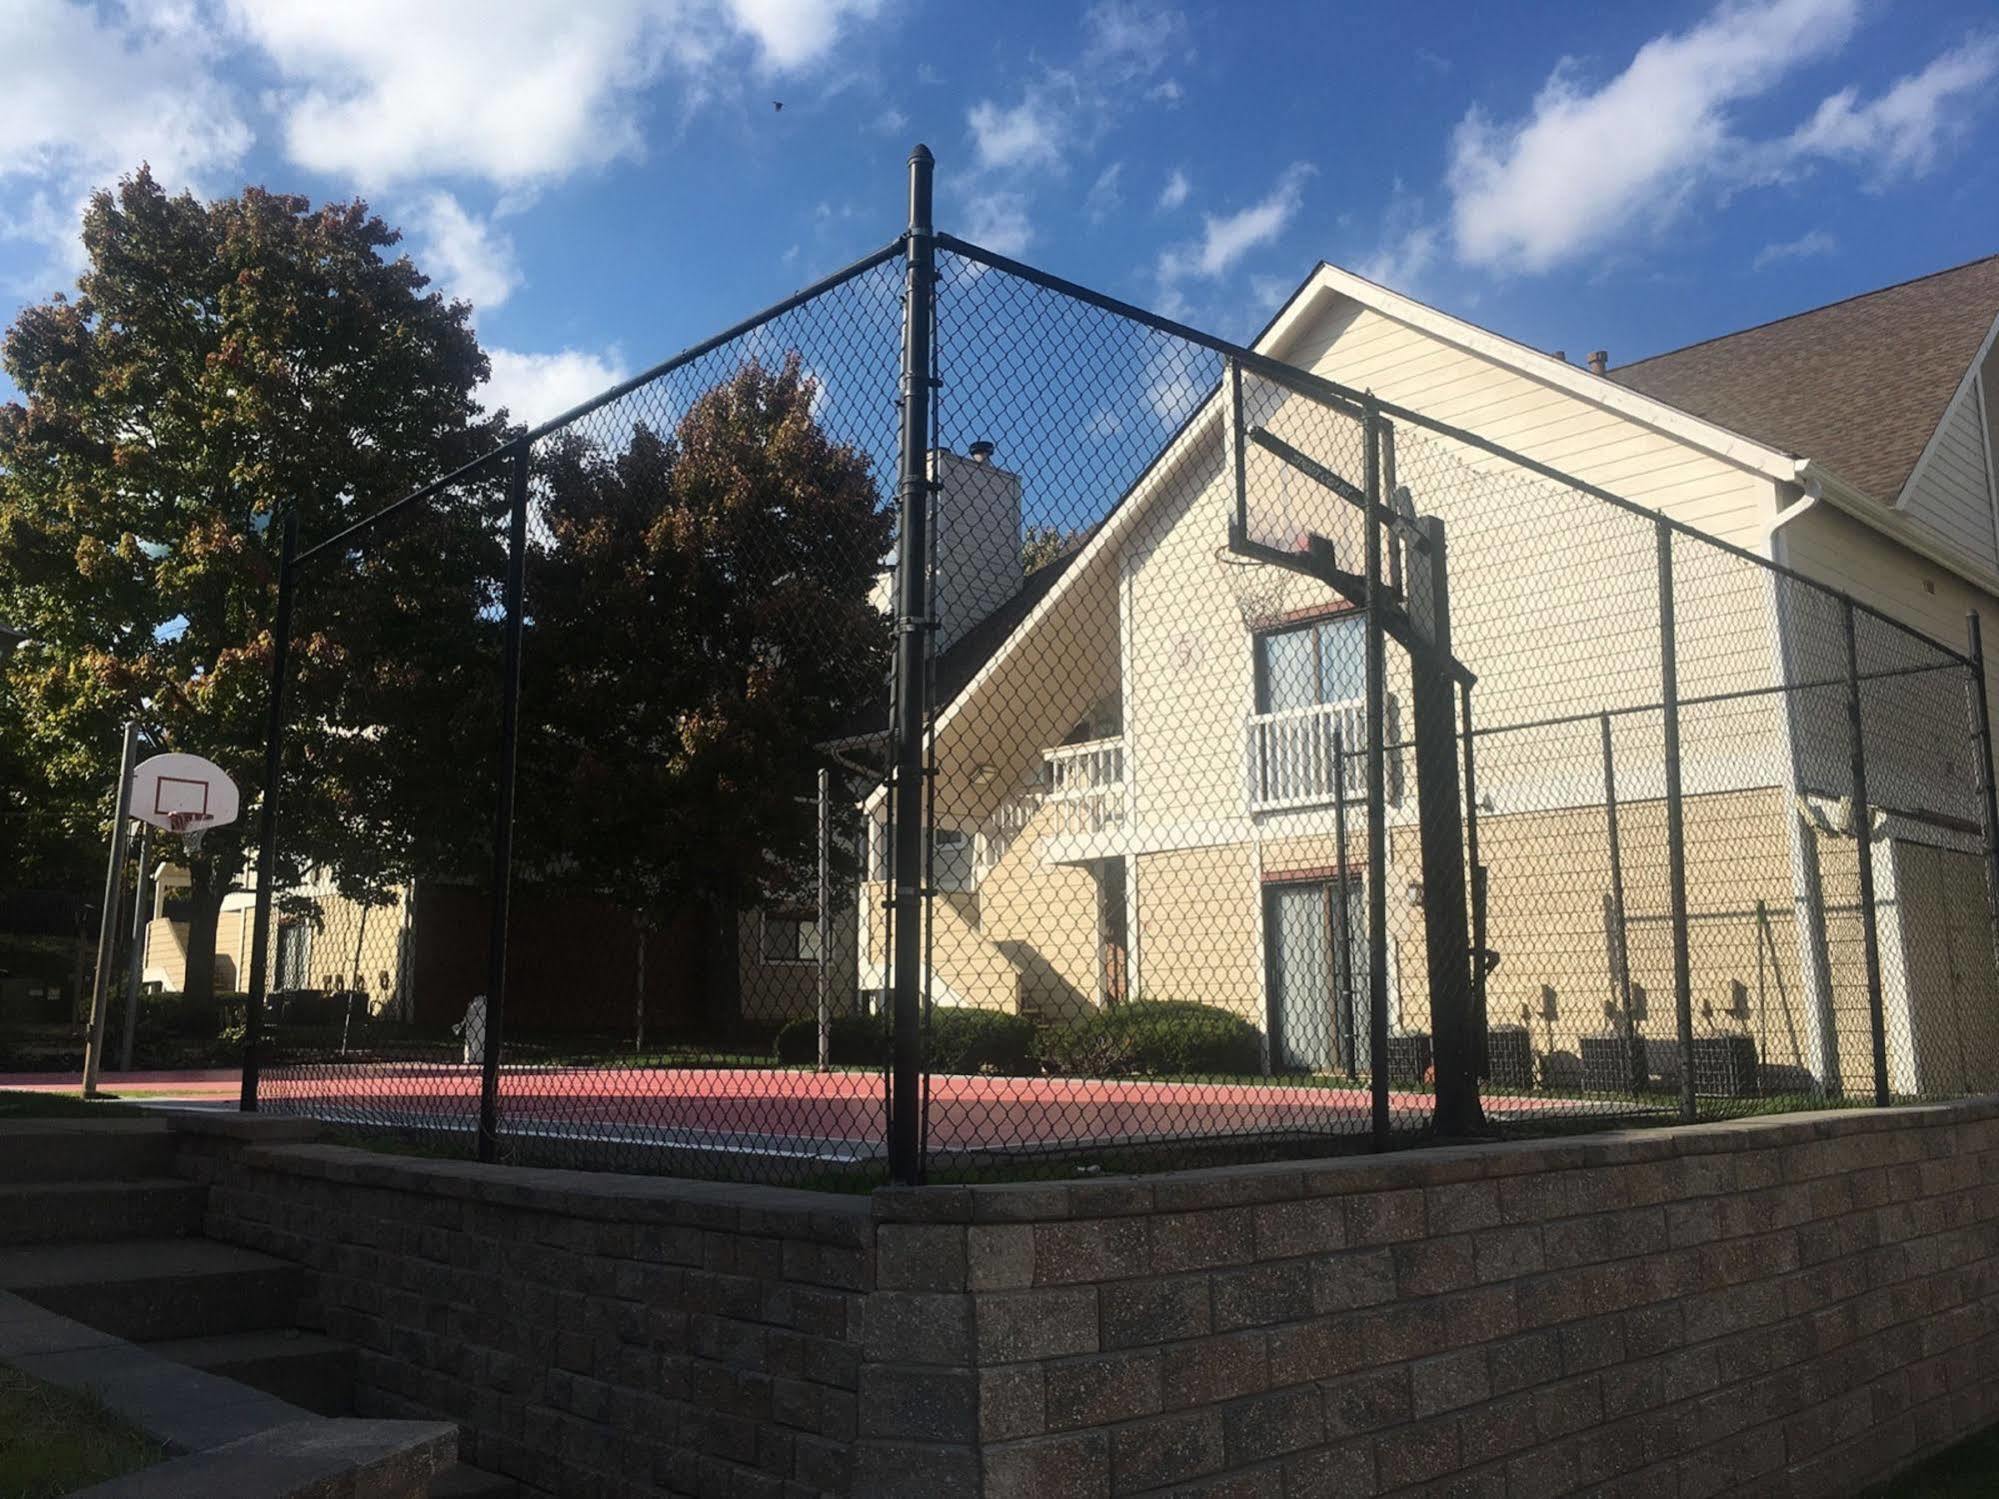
(94, 1227)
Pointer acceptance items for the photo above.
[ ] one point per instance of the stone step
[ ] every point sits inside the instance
(74, 1150)
(358, 1459)
(461, 1482)
(310, 1371)
(152, 1290)
(49, 1212)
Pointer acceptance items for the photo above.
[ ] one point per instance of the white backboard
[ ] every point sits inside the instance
(167, 785)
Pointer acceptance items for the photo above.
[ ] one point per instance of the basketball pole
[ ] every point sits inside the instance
(107, 921)
(138, 958)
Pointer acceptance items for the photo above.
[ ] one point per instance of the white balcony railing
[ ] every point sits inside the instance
(1083, 787)
(1290, 754)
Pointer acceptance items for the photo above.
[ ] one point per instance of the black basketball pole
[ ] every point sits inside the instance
(912, 626)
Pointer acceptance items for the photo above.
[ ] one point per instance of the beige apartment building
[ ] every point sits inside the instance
(1136, 788)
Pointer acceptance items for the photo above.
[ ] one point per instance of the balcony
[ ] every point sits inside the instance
(1290, 755)
(1082, 785)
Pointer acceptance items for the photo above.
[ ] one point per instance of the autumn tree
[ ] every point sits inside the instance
(219, 361)
(700, 623)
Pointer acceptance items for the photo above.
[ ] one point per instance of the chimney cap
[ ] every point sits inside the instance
(980, 451)
(1599, 361)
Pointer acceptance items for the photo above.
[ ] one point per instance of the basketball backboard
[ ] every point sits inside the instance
(183, 793)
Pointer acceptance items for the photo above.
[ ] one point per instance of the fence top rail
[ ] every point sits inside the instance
(352, 533)
(1359, 403)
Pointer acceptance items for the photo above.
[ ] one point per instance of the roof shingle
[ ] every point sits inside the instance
(1858, 385)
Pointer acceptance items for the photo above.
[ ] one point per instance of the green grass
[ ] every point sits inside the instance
(23, 1105)
(55, 1441)
(1970, 1470)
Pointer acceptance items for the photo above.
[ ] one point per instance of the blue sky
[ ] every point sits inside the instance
(607, 179)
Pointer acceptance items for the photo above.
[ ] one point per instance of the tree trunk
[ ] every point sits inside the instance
(204, 907)
(722, 996)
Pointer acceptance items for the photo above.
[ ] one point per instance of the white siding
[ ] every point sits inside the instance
(1950, 497)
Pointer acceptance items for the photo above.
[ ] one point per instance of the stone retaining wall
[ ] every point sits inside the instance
(591, 1334)
(1790, 1306)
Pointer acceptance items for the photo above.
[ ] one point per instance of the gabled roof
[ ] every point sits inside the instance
(1859, 385)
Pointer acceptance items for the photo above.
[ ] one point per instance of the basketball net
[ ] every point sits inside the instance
(1260, 590)
(184, 826)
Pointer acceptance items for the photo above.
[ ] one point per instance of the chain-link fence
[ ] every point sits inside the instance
(957, 724)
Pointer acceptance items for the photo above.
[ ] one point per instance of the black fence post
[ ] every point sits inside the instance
(1863, 838)
(1377, 797)
(267, 816)
(912, 625)
(503, 804)
(1676, 827)
(1344, 990)
(1988, 795)
(1620, 959)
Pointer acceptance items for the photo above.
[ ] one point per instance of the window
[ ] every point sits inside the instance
(790, 937)
(951, 860)
(1321, 662)
(294, 954)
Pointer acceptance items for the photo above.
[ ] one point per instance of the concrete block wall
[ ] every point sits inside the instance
(1790, 1306)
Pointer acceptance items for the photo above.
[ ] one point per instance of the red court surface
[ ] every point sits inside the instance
(836, 1116)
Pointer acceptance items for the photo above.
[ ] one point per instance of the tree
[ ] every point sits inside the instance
(1041, 545)
(700, 622)
(219, 361)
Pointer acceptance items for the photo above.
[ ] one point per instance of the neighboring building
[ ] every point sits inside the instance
(1134, 789)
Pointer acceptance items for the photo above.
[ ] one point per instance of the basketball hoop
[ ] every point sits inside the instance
(1260, 590)
(184, 795)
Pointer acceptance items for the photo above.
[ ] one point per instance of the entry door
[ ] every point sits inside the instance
(1317, 976)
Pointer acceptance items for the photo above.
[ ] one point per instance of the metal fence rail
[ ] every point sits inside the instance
(956, 723)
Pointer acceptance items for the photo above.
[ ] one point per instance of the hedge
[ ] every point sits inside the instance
(1155, 1037)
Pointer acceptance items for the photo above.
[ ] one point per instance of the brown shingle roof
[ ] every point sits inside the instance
(1859, 385)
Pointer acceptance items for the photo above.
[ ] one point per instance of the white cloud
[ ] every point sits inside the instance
(1898, 134)
(1585, 164)
(1167, 91)
(87, 94)
(383, 91)
(1811, 242)
(1589, 166)
(1105, 196)
(1127, 40)
(1175, 192)
(465, 254)
(889, 122)
(1409, 244)
(1225, 240)
(999, 222)
(534, 387)
(792, 34)
(1027, 135)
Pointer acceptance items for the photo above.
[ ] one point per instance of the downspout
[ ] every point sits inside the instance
(1807, 890)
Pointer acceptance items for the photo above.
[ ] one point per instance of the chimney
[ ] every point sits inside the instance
(1599, 361)
(1563, 355)
(981, 451)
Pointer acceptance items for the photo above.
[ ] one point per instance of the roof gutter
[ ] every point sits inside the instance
(1822, 484)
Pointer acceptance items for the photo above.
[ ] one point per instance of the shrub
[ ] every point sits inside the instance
(173, 1013)
(981, 1041)
(855, 1041)
(1156, 1037)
